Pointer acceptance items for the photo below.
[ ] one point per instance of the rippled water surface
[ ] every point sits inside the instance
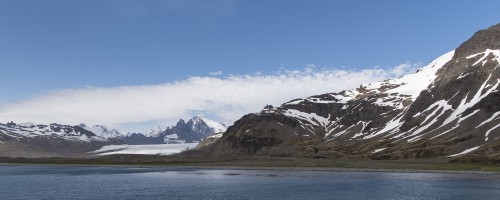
(59, 182)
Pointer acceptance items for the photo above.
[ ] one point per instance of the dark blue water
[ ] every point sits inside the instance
(56, 182)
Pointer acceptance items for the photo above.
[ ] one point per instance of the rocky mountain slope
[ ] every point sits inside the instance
(29, 140)
(449, 108)
(194, 130)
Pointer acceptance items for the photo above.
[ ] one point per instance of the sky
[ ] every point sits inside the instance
(132, 64)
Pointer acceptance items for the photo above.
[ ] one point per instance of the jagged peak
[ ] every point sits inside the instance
(154, 132)
(197, 119)
(181, 121)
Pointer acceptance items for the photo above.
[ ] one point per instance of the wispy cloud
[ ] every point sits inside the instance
(225, 98)
(217, 73)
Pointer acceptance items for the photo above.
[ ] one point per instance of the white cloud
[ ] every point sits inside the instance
(223, 98)
(217, 73)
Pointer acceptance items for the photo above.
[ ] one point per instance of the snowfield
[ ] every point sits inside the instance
(149, 149)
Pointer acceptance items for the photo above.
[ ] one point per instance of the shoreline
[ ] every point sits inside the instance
(269, 168)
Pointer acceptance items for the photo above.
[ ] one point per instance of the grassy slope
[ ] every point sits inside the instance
(263, 162)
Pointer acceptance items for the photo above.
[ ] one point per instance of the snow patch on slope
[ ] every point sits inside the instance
(219, 135)
(439, 106)
(493, 117)
(466, 151)
(413, 84)
(496, 54)
(312, 118)
(464, 104)
(489, 131)
(217, 126)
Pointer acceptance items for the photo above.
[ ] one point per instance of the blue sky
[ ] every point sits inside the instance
(50, 46)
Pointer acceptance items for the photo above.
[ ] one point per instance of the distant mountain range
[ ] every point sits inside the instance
(54, 140)
(102, 131)
(449, 108)
(30, 140)
(194, 130)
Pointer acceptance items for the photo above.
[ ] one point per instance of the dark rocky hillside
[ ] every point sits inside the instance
(449, 108)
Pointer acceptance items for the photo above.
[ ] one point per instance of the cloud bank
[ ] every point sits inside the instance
(223, 98)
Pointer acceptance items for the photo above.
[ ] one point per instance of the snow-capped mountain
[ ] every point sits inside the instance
(102, 131)
(194, 130)
(30, 130)
(217, 127)
(154, 132)
(450, 107)
(28, 139)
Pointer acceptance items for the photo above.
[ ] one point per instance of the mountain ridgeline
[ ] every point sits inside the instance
(194, 130)
(55, 140)
(449, 108)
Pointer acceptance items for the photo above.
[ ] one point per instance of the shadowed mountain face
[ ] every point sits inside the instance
(451, 107)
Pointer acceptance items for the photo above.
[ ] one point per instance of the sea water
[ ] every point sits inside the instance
(63, 182)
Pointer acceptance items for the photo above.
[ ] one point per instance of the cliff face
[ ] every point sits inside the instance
(451, 107)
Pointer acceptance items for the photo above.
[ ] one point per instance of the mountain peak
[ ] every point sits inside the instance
(197, 119)
(180, 122)
(154, 132)
(195, 129)
(102, 131)
(481, 41)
